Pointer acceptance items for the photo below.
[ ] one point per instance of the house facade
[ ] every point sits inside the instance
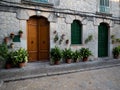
(65, 23)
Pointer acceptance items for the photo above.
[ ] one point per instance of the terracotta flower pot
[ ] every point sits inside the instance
(12, 45)
(85, 59)
(57, 62)
(23, 64)
(76, 60)
(8, 66)
(68, 61)
(6, 39)
(12, 35)
(116, 56)
(67, 41)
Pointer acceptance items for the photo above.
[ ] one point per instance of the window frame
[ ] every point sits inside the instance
(104, 6)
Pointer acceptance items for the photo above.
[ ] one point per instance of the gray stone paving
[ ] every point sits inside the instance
(38, 69)
(100, 79)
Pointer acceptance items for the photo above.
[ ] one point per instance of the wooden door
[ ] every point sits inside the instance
(32, 39)
(102, 40)
(43, 39)
(38, 39)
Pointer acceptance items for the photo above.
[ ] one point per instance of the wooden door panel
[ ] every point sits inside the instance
(38, 39)
(44, 39)
(44, 55)
(33, 56)
(32, 40)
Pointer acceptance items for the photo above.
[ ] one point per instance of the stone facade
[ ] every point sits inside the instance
(61, 13)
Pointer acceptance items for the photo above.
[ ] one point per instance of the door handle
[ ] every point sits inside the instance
(43, 42)
(32, 42)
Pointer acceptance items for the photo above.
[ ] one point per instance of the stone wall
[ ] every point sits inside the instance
(79, 5)
(89, 6)
(9, 23)
(14, 19)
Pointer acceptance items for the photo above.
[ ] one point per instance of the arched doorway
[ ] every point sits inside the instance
(103, 40)
(38, 38)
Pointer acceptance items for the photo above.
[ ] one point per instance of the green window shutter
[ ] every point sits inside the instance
(76, 32)
(104, 6)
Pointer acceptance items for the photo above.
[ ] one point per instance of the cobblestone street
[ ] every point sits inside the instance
(100, 79)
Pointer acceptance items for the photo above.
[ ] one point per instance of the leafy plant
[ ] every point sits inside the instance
(19, 56)
(20, 31)
(56, 53)
(85, 52)
(90, 37)
(116, 51)
(61, 38)
(56, 38)
(76, 55)
(115, 40)
(3, 51)
(112, 36)
(67, 53)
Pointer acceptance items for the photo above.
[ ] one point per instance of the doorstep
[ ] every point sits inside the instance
(42, 69)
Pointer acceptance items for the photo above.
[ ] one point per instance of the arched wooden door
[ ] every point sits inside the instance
(38, 39)
(103, 40)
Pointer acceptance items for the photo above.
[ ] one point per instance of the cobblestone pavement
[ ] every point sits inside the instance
(101, 79)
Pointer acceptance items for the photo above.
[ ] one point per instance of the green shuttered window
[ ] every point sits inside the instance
(104, 6)
(76, 32)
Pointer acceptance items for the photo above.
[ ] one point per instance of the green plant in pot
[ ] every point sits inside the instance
(56, 55)
(20, 33)
(116, 52)
(76, 56)
(67, 55)
(85, 53)
(3, 55)
(3, 50)
(19, 57)
(10, 57)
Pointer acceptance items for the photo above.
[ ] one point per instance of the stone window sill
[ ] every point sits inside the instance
(37, 3)
(104, 14)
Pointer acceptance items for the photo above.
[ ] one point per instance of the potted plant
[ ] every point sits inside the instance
(6, 39)
(12, 45)
(20, 33)
(116, 52)
(12, 35)
(56, 38)
(19, 57)
(76, 56)
(85, 53)
(9, 63)
(3, 55)
(56, 55)
(67, 55)
(67, 41)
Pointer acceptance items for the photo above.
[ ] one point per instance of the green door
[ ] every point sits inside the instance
(76, 31)
(102, 40)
